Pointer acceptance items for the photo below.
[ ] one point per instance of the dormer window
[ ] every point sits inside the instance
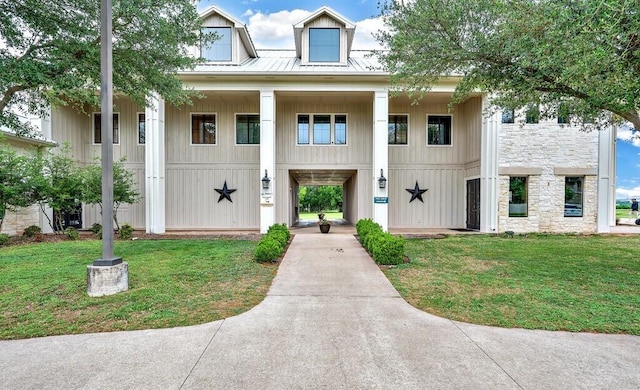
(220, 49)
(324, 45)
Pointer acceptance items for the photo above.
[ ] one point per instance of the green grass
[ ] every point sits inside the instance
(554, 282)
(623, 213)
(171, 283)
(328, 215)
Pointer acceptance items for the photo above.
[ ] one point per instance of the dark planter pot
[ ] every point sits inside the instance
(325, 228)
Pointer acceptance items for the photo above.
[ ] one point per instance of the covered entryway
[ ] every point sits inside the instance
(473, 204)
(345, 178)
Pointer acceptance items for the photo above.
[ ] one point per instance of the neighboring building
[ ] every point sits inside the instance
(323, 114)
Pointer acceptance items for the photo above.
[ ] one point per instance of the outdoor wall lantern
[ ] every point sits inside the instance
(382, 181)
(265, 181)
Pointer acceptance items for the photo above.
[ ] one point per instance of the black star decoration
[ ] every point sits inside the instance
(225, 193)
(416, 193)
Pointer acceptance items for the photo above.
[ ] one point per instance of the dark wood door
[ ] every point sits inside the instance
(473, 204)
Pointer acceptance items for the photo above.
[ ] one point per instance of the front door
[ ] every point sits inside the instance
(473, 204)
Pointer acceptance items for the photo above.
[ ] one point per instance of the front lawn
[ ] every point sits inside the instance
(171, 283)
(553, 282)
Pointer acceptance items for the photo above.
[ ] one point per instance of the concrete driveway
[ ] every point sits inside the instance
(331, 320)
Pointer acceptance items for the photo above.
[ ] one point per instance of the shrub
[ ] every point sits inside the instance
(389, 250)
(366, 226)
(125, 232)
(32, 231)
(4, 239)
(280, 227)
(279, 236)
(268, 250)
(96, 228)
(71, 233)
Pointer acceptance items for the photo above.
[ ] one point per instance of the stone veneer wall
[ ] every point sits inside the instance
(545, 153)
(16, 221)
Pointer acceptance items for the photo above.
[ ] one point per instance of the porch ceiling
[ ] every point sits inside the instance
(321, 177)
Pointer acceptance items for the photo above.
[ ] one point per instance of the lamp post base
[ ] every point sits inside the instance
(107, 280)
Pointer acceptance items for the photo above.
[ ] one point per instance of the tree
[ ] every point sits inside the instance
(124, 186)
(577, 58)
(318, 198)
(50, 53)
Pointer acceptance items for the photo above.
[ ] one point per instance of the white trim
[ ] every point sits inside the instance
(191, 114)
(235, 128)
(380, 157)
(449, 145)
(154, 165)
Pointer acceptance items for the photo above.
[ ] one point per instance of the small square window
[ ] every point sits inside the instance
(303, 129)
(439, 130)
(141, 129)
(518, 197)
(573, 196)
(203, 129)
(247, 129)
(324, 45)
(398, 129)
(220, 49)
(97, 128)
(508, 115)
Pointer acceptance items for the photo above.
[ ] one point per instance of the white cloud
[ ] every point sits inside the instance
(275, 30)
(622, 193)
(624, 133)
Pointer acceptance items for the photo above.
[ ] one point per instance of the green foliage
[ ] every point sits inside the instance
(96, 228)
(384, 248)
(268, 250)
(318, 198)
(71, 233)
(55, 60)
(31, 231)
(272, 244)
(125, 232)
(4, 239)
(519, 52)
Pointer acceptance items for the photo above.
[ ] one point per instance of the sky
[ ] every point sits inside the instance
(270, 24)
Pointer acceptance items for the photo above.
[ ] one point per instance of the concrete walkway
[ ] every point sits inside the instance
(331, 320)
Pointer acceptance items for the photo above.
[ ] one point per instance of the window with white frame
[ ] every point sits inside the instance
(439, 130)
(219, 49)
(398, 129)
(322, 129)
(97, 128)
(141, 129)
(518, 196)
(203, 129)
(247, 129)
(324, 45)
(573, 196)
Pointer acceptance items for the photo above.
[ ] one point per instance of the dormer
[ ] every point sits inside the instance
(233, 46)
(324, 38)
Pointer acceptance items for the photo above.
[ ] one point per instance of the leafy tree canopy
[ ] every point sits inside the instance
(50, 52)
(576, 57)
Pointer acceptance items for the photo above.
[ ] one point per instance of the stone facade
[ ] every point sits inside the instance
(16, 221)
(546, 153)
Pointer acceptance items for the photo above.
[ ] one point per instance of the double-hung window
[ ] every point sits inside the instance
(322, 129)
(398, 129)
(219, 49)
(247, 129)
(303, 129)
(439, 130)
(573, 196)
(141, 129)
(97, 128)
(324, 45)
(518, 196)
(203, 129)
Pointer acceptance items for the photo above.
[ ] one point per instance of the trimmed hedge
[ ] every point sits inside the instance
(384, 248)
(272, 244)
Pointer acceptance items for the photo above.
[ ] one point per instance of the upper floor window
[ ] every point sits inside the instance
(508, 115)
(573, 196)
(322, 129)
(533, 115)
(247, 129)
(303, 129)
(340, 128)
(324, 45)
(97, 128)
(220, 49)
(398, 129)
(439, 130)
(141, 132)
(203, 129)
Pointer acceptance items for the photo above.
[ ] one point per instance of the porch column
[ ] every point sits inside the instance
(380, 158)
(489, 193)
(154, 166)
(267, 159)
(606, 180)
